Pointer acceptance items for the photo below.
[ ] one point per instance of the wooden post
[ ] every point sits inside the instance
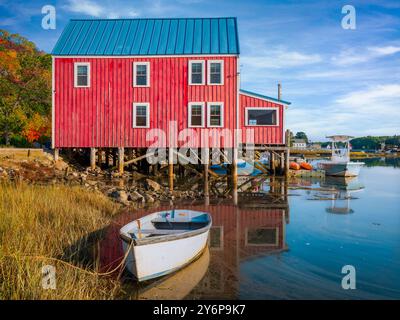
(121, 153)
(107, 156)
(114, 158)
(206, 186)
(56, 154)
(170, 169)
(287, 154)
(234, 177)
(92, 158)
(100, 157)
(282, 163)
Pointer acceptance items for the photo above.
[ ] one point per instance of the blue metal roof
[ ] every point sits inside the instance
(263, 97)
(180, 36)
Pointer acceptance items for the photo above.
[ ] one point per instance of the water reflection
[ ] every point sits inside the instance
(286, 240)
(345, 187)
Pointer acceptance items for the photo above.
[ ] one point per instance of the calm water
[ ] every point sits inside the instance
(273, 246)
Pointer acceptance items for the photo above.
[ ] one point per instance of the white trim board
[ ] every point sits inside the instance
(261, 108)
(221, 104)
(138, 63)
(76, 65)
(203, 72)
(265, 99)
(53, 100)
(209, 72)
(190, 104)
(147, 56)
(134, 105)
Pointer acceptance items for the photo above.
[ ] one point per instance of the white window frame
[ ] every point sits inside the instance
(79, 64)
(221, 104)
(261, 108)
(203, 82)
(190, 104)
(135, 104)
(141, 63)
(209, 72)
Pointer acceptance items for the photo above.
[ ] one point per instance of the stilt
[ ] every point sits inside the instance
(287, 154)
(100, 157)
(170, 169)
(114, 158)
(56, 154)
(206, 186)
(234, 178)
(107, 156)
(121, 160)
(92, 158)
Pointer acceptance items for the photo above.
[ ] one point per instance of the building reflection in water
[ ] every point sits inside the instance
(255, 227)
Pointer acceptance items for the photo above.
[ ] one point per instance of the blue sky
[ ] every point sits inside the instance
(339, 81)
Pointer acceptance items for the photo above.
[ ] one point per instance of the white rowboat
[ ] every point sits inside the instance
(164, 242)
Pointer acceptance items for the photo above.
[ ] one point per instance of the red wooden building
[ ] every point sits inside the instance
(116, 79)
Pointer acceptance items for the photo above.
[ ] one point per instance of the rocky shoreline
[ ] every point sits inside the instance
(130, 189)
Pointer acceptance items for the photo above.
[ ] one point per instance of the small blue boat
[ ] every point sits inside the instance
(244, 168)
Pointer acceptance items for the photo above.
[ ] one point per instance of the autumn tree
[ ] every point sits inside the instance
(25, 84)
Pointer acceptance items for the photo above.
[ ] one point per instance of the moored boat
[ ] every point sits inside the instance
(164, 242)
(340, 164)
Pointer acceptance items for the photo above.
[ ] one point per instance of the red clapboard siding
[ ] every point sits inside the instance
(262, 134)
(101, 116)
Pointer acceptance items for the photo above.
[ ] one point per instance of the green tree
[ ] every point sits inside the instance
(301, 135)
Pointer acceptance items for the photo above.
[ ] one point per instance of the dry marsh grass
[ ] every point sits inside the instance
(53, 221)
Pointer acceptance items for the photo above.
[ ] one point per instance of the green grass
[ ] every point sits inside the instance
(53, 221)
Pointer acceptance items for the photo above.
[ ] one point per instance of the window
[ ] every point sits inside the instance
(196, 114)
(215, 114)
(82, 74)
(262, 237)
(196, 72)
(261, 117)
(141, 115)
(215, 72)
(141, 74)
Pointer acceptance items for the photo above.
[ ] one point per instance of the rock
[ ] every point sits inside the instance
(149, 198)
(136, 197)
(60, 165)
(194, 187)
(121, 196)
(151, 184)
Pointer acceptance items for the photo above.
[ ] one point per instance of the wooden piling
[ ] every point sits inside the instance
(107, 156)
(92, 158)
(205, 173)
(170, 169)
(56, 154)
(121, 153)
(234, 180)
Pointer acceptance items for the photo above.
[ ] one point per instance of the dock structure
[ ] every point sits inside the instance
(121, 87)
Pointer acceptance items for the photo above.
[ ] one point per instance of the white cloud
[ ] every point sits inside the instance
(277, 59)
(371, 111)
(351, 56)
(85, 7)
(90, 8)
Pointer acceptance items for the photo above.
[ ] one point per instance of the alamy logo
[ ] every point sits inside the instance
(349, 20)
(49, 20)
(49, 277)
(349, 280)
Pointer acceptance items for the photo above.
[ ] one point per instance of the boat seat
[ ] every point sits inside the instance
(155, 231)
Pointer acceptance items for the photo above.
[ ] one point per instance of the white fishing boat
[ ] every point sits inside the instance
(340, 164)
(163, 242)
